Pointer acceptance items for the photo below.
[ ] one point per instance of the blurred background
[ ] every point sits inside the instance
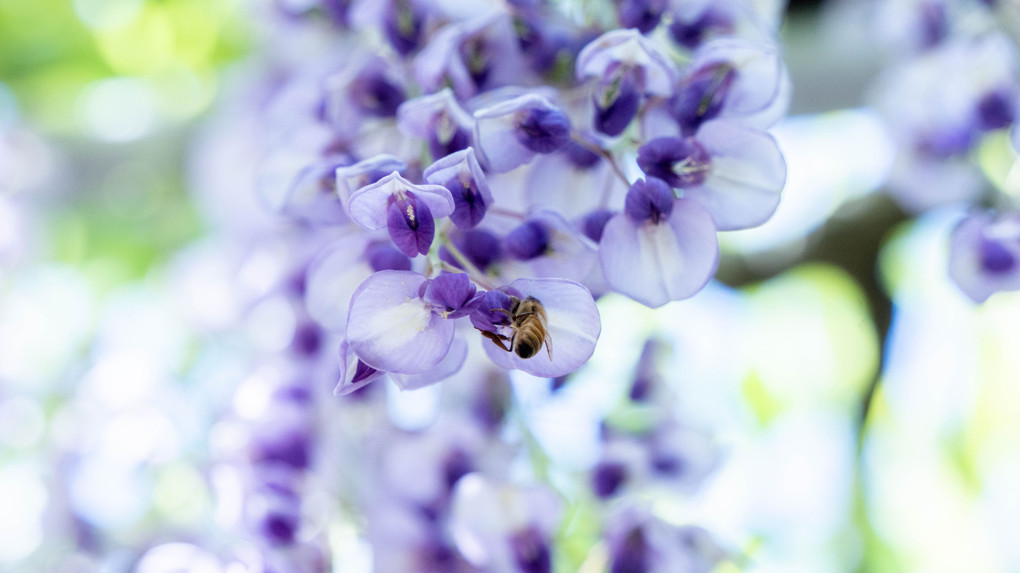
(867, 412)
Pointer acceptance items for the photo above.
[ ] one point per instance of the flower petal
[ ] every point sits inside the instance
(655, 264)
(573, 325)
(447, 367)
(748, 174)
(392, 329)
(369, 205)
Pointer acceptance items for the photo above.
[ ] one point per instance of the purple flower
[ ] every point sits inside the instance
(695, 22)
(510, 132)
(406, 210)
(460, 173)
(350, 178)
(471, 56)
(735, 172)
(736, 79)
(452, 293)
(638, 542)
(644, 15)
(547, 245)
(623, 52)
(438, 119)
(481, 248)
(502, 527)
(571, 322)
(354, 374)
(391, 328)
(654, 253)
(984, 255)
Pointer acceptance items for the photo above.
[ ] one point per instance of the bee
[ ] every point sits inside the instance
(528, 321)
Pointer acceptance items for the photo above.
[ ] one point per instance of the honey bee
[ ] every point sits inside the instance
(528, 321)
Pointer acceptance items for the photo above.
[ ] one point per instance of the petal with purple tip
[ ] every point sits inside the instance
(392, 329)
(369, 205)
(573, 324)
(655, 264)
(748, 173)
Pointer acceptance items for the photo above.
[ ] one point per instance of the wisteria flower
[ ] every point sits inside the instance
(984, 255)
(438, 119)
(660, 248)
(406, 210)
(460, 174)
(571, 323)
(736, 173)
(393, 326)
(511, 132)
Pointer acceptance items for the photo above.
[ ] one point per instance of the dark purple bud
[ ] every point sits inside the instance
(469, 205)
(527, 241)
(307, 339)
(946, 143)
(481, 248)
(607, 477)
(616, 106)
(641, 14)
(701, 96)
(383, 257)
(450, 294)
(668, 465)
(411, 226)
(680, 162)
(374, 94)
(530, 551)
(279, 528)
(493, 309)
(631, 556)
(995, 110)
(934, 23)
(492, 402)
(456, 465)
(580, 156)
(996, 258)
(649, 199)
(543, 130)
(286, 444)
(709, 23)
(402, 26)
(337, 11)
(442, 144)
(594, 223)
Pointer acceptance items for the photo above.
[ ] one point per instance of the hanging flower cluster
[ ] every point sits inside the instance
(485, 170)
(939, 127)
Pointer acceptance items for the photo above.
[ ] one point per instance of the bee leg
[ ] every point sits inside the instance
(498, 339)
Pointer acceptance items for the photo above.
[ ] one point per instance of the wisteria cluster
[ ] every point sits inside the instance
(940, 126)
(485, 170)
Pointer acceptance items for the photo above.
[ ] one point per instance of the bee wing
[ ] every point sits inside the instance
(548, 344)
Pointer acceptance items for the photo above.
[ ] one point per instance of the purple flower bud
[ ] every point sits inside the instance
(607, 477)
(984, 255)
(402, 25)
(383, 257)
(375, 94)
(934, 23)
(710, 22)
(680, 162)
(463, 177)
(451, 294)
(527, 241)
(649, 199)
(641, 14)
(543, 130)
(594, 223)
(701, 96)
(995, 110)
(530, 551)
(616, 106)
(627, 52)
(411, 226)
(481, 248)
(631, 554)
